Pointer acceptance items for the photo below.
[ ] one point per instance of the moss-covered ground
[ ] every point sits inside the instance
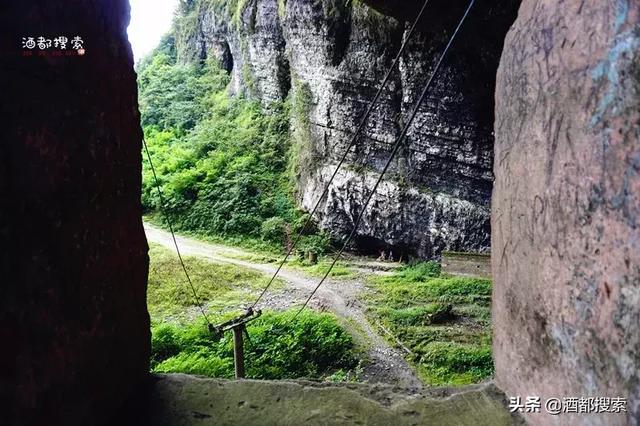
(445, 321)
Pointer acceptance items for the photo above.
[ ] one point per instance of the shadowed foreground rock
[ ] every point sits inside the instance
(566, 206)
(183, 400)
(73, 266)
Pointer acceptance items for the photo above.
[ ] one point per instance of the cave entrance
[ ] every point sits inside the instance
(74, 300)
(208, 145)
(365, 245)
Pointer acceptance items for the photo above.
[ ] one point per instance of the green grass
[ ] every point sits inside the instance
(444, 321)
(220, 287)
(340, 270)
(431, 313)
(419, 272)
(256, 246)
(455, 363)
(261, 251)
(311, 346)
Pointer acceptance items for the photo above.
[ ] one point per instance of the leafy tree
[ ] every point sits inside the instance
(222, 161)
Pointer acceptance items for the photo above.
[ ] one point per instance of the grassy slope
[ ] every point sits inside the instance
(340, 270)
(312, 346)
(219, 287)
(444, 321)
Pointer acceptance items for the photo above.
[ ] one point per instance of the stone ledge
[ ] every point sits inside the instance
(466, 264)
(179, 399)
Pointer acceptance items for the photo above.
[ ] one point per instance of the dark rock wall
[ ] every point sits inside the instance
(73, 265)
(566, 206)
(334, 54)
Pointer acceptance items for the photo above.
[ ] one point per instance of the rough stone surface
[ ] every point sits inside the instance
(566, 206)
(466, 264)
(333, 55)
(181, 400)
(73, 321)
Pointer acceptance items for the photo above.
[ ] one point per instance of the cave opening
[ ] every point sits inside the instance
(213, 192)
(74, 264)
(366, 245)
(226, 58)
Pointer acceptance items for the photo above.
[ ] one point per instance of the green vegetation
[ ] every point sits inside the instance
(220, 287)
(299, 261)
(312, 346)
(282, 9)
(444, 321)
(301, 148)
(227, 168)
(185, 27)
(233, 9)
(340, 270)
(223, 162)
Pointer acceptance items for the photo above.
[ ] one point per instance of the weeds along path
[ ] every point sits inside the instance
(385, 364)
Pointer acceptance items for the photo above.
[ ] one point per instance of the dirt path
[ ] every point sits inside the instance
(342, 297)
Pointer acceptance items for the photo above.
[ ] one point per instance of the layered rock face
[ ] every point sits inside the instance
(73, 263)
(566, 207)
(332, 56)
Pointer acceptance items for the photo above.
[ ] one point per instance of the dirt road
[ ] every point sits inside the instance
(385, 364)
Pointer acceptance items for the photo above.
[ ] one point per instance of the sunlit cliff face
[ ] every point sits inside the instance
(436, 195)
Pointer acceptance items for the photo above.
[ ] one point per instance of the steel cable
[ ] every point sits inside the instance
(352, 142)
(173, 235)
(393, 153)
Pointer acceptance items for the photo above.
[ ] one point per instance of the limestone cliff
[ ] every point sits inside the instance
(332, 55)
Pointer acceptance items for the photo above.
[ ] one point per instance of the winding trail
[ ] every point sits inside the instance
(385, 364)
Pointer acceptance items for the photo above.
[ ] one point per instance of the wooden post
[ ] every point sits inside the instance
(238, 351)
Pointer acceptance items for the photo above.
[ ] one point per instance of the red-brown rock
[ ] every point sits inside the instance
(566, 206)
